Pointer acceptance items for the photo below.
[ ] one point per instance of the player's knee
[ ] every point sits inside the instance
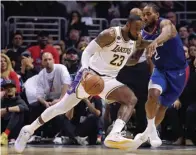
(153, 95)
(132, 101)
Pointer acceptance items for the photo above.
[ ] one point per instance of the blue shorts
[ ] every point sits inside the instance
(171, 84)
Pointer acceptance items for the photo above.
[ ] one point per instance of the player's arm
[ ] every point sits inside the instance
(168, 31)
(138, 52)
(105, 38)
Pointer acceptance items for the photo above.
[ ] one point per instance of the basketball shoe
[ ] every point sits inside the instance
(22, 139)
(117, 141)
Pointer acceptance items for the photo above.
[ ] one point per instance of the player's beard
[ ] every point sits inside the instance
(132, 37)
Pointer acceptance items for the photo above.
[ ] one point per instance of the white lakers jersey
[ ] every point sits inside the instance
(113, 57)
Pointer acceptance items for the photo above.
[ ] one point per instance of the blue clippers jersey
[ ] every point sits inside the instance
(170, 55)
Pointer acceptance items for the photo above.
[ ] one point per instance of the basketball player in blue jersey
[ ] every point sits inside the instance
(170, 72)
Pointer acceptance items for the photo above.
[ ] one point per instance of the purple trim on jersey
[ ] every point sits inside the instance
(74, 84)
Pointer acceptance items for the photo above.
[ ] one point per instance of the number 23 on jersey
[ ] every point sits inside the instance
(117, 60)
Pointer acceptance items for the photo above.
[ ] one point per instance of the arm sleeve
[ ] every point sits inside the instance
(88, 52)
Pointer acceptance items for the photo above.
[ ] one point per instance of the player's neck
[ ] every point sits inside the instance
(124, 33)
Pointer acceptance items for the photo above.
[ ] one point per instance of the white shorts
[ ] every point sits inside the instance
(110, 84)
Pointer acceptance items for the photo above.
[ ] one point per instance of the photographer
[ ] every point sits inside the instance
(12, 112)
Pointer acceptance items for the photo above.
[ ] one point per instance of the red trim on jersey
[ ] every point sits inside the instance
(187, 70)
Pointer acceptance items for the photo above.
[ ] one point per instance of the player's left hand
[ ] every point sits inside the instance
(150, 50)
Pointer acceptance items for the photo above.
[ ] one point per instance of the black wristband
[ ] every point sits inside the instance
(7, 109)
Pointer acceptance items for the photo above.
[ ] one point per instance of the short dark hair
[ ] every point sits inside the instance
(132, 17)
(43, 34)
(17, 33)
(154, 6)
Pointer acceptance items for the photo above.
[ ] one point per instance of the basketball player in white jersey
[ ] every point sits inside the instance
(104, 56)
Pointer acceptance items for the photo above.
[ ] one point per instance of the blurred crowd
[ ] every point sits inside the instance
(37, 76)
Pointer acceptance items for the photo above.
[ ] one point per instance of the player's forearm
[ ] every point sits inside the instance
(144, 44)
(134, 58)
(88, 52)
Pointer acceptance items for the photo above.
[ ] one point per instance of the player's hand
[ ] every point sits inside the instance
(150, 50)
(177, 105)
(85, 72)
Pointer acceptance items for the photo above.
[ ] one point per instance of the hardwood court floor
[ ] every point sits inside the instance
(97, 150)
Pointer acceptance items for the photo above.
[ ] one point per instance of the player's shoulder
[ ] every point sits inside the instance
(110, 32)
(106, 37)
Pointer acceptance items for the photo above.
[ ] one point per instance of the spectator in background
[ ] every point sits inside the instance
(76, 23)
(113, 11)
(74, 38)
(192, 39)
(14, 51)
(42, 47)
(84, 41)
(63, 46)
(50, 79)
(27, 68)
(192, 27)
(59, 49)
(12, 112)
(50, 40)
(192, 51)
(7, 72)
(186, 50)
(71, 60)
(86, 118)
(183, 32)
(171, 15)
(52, 84)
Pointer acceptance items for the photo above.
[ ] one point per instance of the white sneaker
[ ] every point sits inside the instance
(61, 140)
(154, 139)
(82, 140)
(34, 139)
(22, 139)
(117, 141)
(140, 139)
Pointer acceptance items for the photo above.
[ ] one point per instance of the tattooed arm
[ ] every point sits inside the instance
(138, 52)
(104, 38)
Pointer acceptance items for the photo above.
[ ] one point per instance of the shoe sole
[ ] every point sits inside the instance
(123, 145)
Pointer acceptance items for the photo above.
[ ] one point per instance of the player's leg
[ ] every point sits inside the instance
(157, 85)
(160, 114)
(65, 104)
(128, 100)
(176, 81)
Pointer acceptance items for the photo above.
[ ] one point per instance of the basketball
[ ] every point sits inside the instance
(93, 84)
